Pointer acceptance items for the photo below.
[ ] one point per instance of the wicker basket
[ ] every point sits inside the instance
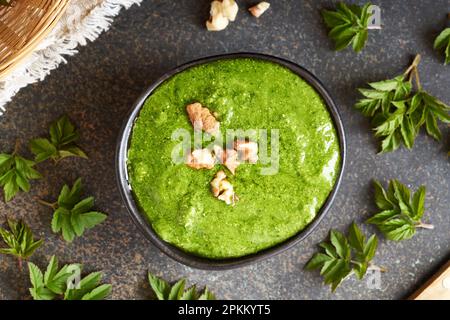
(23, 26)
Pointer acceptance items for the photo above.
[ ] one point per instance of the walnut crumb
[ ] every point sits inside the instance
(247, 150)
(201, 159)
(259, 9)
(231, 160)
(221, 13)
(222, 189)
(228, 157)
(202, 119)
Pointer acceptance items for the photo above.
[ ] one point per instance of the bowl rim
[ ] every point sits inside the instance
(144, 224)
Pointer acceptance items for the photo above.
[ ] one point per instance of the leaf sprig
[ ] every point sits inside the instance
(348, 24)
(16, 173)
(56, 282)
(398, 112)
(341, 256)
(61, 144)
(72, 215)
(442, 42)
(400, 213)
(19, 239)
(164, 291)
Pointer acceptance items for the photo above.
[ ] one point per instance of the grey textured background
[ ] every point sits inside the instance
(98, 86)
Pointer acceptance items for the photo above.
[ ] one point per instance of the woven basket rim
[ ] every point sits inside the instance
(18, 39)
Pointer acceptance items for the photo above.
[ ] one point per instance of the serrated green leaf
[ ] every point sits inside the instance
(408, 132)
(91, 219)
(57, 219)
(52, 269)
(15, 173)
(160, 287)
(402, 194)
(68, 232)
(69, 197)
(381, 199)
(42, 293)
(206, 295)
(391, 142)
(19, 239)
(72, 216)
(164, 291)
(400, 222)
(368, 107)
(86, 285)
(329, 249)
(415, 103)
(22, 182)
(191, 294)
(339, 241)
(348, 25)
(43, 149)
(56, 283)
(36, 277)
(360, 269)
(77, 224)
(62, 131)
(443, 41)
(397, 229)
(432, 127)
(61, 144)
(99, 293)
(359, 41)
(177, 290)
(351, 254)
(418, 203)
(371, 247)
(385, 85)
(317, 261)
(333, 18)
(83, 206)
(71, 151)
(355, 237)
(398, 112)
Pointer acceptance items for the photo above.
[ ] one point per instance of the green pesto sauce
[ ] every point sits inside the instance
(245, 93)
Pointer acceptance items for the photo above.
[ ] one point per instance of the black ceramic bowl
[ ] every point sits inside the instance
(191, 259)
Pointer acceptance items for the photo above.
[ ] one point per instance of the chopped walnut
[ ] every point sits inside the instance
(228, 157)
(201, 159)
(221, 13)
(222, 189)
(230, 9)
(202, 119)
(217, 21)
(231, 160)
(215, 183)
(259, 9)
(247, 150)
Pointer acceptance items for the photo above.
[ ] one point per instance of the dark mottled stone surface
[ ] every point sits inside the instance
(98, 86)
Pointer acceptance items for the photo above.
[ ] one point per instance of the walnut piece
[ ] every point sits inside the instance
(228, 157)
(247, 150)
(222, 189)
(259, 9)
(230, 160)
(201, 159)
(202, 119)
(221, 13)
(230, 9)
